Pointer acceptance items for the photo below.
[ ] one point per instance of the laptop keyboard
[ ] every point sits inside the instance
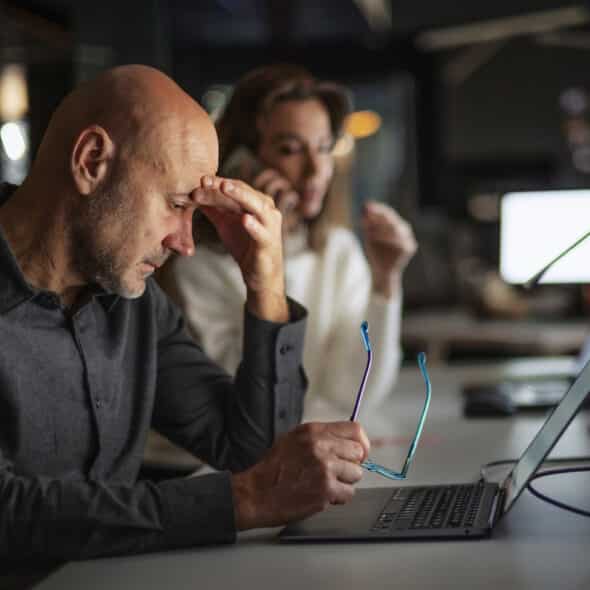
(431, 507)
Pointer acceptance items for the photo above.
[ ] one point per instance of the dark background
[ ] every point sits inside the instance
(463, 118)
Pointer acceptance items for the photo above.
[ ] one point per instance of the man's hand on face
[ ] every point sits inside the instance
(249, 224)
(310, 467)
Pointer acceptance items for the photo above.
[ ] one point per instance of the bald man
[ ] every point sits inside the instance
(93, 354)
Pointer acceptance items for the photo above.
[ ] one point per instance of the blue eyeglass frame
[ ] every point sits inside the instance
(368, 464)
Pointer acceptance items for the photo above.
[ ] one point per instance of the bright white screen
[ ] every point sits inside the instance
(536, 226)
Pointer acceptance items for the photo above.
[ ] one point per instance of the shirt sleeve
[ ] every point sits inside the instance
(231, 421)
(48, 520)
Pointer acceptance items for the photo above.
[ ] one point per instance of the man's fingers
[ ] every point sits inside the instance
(347, 472)
(215, 198)
(341, 431)
(225, 222)
(348, 429)
(256, 229)
(217, 215)
(341, 493)
(347, 450)
(252, 226)
(219, 192)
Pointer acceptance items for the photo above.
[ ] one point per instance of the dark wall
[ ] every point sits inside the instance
(501, 128)
(48, 83)
(511, 104)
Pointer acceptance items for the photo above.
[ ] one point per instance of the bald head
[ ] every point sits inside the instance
(113, 179)
(134, 104)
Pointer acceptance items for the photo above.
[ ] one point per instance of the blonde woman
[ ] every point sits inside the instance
(278, 132)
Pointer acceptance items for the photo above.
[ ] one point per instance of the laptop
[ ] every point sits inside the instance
(463, 510)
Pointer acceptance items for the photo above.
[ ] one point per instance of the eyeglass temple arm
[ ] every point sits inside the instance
(420, 427)
(361, 391)
(376, 468)
(537, 277)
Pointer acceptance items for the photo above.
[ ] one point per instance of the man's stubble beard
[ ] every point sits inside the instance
(98, 252)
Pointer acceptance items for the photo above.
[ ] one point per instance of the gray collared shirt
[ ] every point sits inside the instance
(78, 394)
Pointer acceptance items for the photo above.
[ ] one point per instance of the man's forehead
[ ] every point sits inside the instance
(185, 150)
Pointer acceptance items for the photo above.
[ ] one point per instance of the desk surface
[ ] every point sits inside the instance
(535, 545)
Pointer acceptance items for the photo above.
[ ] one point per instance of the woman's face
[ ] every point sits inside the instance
(296, 140)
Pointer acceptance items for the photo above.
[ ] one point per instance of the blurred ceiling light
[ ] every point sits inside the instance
(14, 96)
(344, 146)
(458, 69)
(377, 13)
(502, 28)
(363, 123)
(13, 141)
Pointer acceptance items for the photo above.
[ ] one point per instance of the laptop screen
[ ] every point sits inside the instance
(535, 226)
(546, 438)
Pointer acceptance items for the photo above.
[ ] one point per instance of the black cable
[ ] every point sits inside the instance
(557, 503)
(552, 461)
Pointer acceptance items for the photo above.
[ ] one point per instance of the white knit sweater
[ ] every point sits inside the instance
(335, 287)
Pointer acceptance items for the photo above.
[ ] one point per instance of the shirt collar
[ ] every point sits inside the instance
(14, 288)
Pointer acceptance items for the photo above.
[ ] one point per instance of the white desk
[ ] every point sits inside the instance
(534, 546)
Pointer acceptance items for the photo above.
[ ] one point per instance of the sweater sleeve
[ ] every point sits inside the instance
(343, 355)
(212, 296)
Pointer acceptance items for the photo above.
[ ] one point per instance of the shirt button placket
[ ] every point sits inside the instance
(81, 321)
(84, 334)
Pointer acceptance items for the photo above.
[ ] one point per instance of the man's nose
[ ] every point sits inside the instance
(181, 241)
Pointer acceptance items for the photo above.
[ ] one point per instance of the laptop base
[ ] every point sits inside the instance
(458, 511)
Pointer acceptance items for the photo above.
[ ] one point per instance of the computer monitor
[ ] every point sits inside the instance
(535, 226)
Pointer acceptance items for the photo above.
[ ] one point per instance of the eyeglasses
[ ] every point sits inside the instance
(368, 464)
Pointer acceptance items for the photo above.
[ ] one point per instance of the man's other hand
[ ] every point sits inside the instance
(307, 469)
(249, 224)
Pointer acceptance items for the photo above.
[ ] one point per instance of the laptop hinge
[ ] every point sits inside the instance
(497, 507)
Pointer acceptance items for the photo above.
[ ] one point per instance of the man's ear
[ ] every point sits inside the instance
(92, 157)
